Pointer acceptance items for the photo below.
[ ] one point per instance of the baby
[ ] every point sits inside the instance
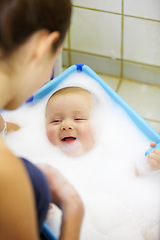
(69, 120)
(69, 123)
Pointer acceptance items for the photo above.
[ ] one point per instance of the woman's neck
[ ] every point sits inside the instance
(5, 90)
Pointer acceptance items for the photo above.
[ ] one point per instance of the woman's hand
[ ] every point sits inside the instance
(7, 126)
(2, 123)
(65, 197)
(11, 127)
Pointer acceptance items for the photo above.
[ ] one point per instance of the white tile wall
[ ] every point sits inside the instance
(98, 64)
(96, 32)
(65, 58)
(141, 73)
(143, 98)
(104, 5)
(143, 8)
(142, 41)
(111, 81)
(65, 44)
(96, 38)
(155, 125)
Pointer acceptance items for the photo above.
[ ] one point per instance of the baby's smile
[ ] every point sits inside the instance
(68, 139)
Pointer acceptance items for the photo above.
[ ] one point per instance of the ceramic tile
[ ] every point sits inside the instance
(65, 44)
(64, 68)
(142, 73)
(96, 32)
(58, 66)
(142, 98)
(141, 41)
(65, 60)
(111, 81)
(155, 125)
(143, 8)
(104, 5)
(98, 64)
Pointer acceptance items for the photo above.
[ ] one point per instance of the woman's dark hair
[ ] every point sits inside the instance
(19, 19)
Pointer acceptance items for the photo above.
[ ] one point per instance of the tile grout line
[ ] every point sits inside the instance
(116, 13)
(122, 47)
(110, 58)
(119, 85)
(122, 40)
(152, 120)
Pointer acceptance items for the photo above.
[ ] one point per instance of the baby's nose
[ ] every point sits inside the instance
(63, 128)
(66, 126)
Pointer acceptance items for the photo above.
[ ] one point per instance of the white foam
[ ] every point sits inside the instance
(118, 204)
(72, 149)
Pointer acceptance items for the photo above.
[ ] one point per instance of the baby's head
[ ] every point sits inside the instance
(68, 120)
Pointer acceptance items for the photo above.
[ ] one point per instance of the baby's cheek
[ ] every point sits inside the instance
(51, 134)
(88, 137)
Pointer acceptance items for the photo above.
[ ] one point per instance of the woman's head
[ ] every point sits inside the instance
(31, 37)
(19, 19)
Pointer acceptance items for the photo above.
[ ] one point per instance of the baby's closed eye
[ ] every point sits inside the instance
(56, 121)
(80, 119)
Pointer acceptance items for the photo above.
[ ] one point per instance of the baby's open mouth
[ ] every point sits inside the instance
(68, 139)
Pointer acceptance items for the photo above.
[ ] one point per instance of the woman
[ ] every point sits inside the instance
(31, 37)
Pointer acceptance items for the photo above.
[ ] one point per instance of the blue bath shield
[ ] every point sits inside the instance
(138, 120)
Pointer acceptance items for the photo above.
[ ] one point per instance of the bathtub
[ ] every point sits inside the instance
(143, 126)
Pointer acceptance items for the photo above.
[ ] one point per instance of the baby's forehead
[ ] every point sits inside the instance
(78, 99)
(71, 91)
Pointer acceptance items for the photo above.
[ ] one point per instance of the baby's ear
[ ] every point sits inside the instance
(44, 42)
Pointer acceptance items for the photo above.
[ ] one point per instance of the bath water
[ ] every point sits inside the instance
(118, 204)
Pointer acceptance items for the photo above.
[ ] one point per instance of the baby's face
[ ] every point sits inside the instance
(68, 122)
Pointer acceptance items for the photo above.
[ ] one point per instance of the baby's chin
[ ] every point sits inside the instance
(73, 149)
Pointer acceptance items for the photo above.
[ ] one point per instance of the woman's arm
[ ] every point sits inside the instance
(17, 208)
(72, 220)
(65, 196)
